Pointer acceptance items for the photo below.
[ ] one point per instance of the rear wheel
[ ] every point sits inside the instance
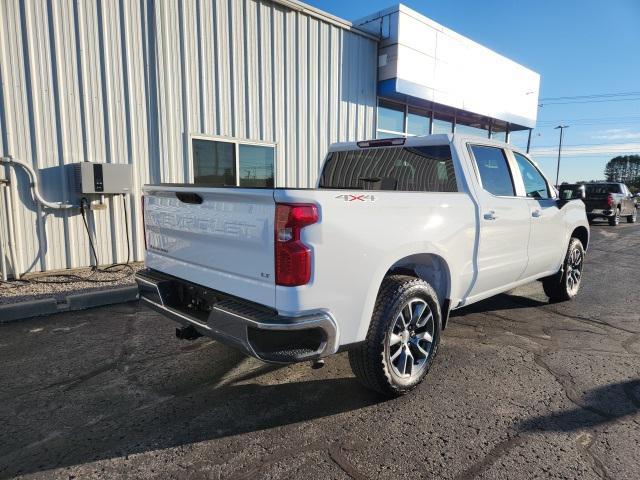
(403, 337)
(615, 220)
(565, 284)
(632, 218)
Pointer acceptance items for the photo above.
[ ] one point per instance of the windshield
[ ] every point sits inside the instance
(409, 169)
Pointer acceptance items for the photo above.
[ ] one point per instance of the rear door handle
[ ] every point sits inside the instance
(536, 213)
(490, 215)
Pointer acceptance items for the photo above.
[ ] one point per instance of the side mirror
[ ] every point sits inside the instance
(572, 192)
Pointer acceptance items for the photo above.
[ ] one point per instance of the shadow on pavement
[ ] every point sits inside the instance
(598, 406)
(185, 412)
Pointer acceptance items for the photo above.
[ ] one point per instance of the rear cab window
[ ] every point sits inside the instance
(403, 169)
(602, 188)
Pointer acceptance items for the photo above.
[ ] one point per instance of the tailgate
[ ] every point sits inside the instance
(221, 238)
(596, 201)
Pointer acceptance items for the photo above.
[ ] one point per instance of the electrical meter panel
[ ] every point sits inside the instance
(102, 178)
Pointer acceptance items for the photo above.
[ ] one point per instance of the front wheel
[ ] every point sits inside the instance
(403, 337)
(632, 218)
(565, 284)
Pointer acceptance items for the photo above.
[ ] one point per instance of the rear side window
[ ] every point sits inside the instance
(405, 169)
(494, 170)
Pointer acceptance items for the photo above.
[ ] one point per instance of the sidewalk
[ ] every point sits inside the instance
(64, 291)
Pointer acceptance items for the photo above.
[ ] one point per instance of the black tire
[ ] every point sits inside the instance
(615, 220)
(632, 218)
(558, 287)
(371, 361)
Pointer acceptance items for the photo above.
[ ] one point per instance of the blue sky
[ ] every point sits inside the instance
(579, 47)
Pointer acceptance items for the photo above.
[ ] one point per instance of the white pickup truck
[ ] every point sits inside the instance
(398, 233)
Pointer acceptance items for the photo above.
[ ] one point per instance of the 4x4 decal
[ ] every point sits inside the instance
(348, 197)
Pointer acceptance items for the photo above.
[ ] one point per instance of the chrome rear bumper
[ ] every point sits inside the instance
(256, 330)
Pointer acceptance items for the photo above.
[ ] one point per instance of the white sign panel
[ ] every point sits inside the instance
(433, 63)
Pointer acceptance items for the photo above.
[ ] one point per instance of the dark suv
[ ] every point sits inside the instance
(610, 200)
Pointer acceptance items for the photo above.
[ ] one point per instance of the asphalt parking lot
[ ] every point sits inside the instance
(521, 389)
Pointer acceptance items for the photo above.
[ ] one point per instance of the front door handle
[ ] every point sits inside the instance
(536, 213)
(490, 215)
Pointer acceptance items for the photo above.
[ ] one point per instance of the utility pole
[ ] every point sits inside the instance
(561, 127)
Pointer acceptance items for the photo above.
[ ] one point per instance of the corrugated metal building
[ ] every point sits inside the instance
(235, 92)
(131, 82)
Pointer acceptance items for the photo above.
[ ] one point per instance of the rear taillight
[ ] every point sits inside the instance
(144, 227)
(610, 201)
(293, 258)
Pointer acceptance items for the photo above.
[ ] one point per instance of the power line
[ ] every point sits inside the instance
(636, 123)
(591, 101)
(621, 118)
(593, 95)
(625, 144)
(603, 127)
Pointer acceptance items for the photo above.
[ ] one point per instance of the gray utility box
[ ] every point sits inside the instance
(102, 178)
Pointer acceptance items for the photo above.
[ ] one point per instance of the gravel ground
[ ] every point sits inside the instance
(521, 389)
(33, 287)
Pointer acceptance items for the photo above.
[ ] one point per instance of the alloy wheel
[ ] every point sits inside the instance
(574, 270)
(410, 339)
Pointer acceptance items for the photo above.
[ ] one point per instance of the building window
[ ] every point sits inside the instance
(399, 120)
(469, 130)
(231, 163)
(391, 118)
(256, 166)
(443, 123)
(502, 136)
(417, 121)
(214, 163)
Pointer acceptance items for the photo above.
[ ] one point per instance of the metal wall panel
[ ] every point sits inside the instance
(128, 82)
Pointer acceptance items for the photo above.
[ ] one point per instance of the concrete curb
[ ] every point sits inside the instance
(12, 312)
(31, 308)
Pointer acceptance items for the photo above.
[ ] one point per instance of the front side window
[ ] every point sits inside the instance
(494, 170)
(227, 163)
(409, 169)
(535, 185)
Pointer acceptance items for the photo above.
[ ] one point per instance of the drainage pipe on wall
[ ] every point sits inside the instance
(11, 227)
(13, 208)
(3, 262)
(34, 185)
